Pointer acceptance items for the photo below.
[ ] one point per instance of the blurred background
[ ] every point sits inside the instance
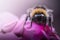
(19, 7)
